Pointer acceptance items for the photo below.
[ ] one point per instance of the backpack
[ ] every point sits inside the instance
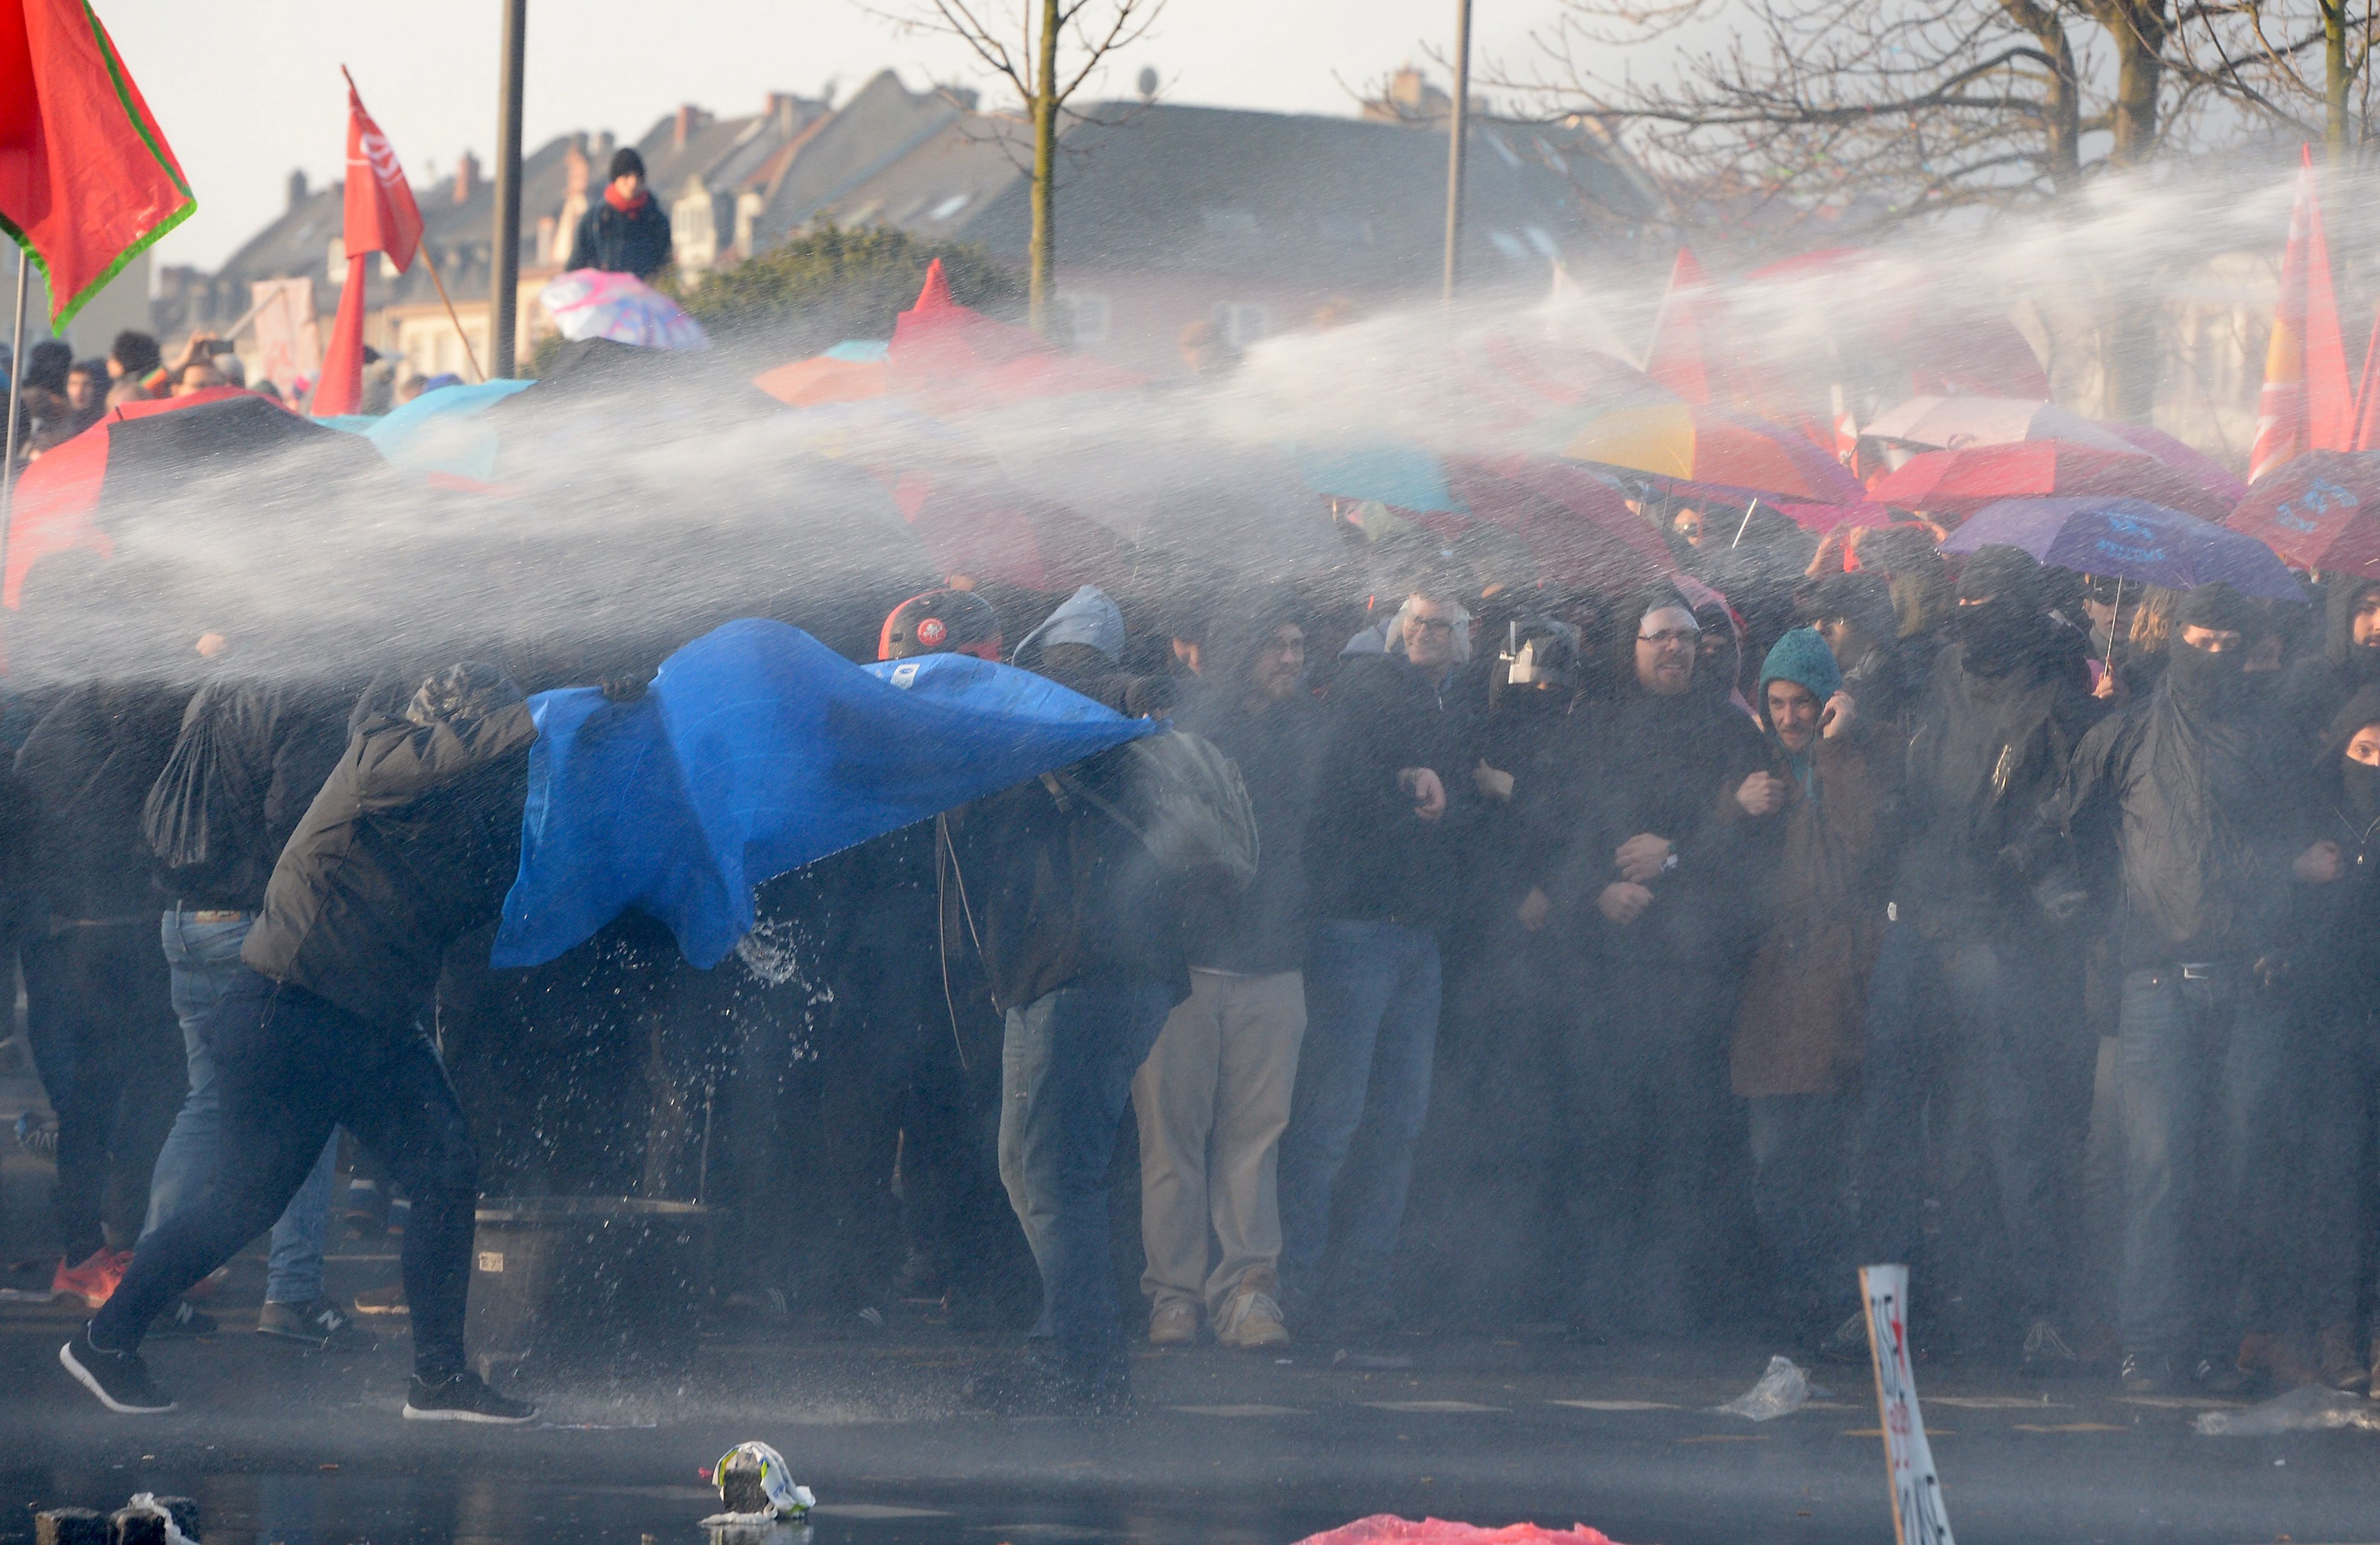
(1185, 800)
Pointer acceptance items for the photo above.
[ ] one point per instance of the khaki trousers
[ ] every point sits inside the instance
(1212, 1100)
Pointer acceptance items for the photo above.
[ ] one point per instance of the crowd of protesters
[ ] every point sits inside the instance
(1629, 962)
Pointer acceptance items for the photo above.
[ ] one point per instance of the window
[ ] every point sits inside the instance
(1242, 323)
(1090, 317)
(338, 265)
(692, 233)
(748, 206)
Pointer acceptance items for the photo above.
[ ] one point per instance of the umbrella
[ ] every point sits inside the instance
(1954, 423)
(1577, 525)
(444, 433)
(591, 303)
(854, 371)
(2321, 511)
(142, 454)
(1958, 423)
(2130, 538)
(1722, 453)
(1404, 476)
(1958, 481)
(1822, 518)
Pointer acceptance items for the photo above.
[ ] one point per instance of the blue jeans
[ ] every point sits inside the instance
(1066, 1071)
(204, 958)
(2197, 1066)
(292, 1069)
(1969, 1043)
(1362, 1088)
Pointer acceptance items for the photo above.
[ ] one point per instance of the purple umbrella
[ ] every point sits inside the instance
(2130, 538)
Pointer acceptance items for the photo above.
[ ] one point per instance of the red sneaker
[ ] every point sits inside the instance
(95, 1281)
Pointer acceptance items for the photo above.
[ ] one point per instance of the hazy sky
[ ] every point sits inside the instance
(247, 90)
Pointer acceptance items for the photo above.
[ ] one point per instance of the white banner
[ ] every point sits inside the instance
(1917, 1514)
(288, 338)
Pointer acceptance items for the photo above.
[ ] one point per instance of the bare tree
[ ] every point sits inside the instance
(1045, 50)
(2300, 65)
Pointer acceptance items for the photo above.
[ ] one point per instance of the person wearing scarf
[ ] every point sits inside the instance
(1795, 1058)
(626, 231)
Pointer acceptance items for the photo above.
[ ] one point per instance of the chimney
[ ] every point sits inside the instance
(784, 113)
(466, 177)
(689, 119)
(297, 191)
(575, 168)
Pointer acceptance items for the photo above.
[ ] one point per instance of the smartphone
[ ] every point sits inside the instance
(220, 346)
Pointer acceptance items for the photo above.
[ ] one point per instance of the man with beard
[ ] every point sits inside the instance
(1974, 1004)
(1655, 851)
(2348, 661)
(2205, 813)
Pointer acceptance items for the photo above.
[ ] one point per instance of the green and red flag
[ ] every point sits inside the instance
(87, 180)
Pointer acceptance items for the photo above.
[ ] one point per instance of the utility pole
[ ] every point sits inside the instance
(505, 297)
(1456, 121)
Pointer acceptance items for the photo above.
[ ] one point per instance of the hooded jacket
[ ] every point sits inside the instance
(2320, 685)
(413, 841)
(2205, 810)
(2332, 942)
(250, 760)
(1986, 752)
(88, 766)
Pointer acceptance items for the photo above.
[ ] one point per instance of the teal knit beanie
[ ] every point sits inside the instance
(1800, 656)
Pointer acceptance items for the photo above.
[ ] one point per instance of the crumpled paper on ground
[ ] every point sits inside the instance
(1781, 1391)
(1387, 1529)
(2310, 1408)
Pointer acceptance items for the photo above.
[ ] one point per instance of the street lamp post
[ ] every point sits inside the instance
(505, 297)
(1456, 122)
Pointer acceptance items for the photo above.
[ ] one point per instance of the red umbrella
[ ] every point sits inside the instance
(949, 358)
(1577, 526)
(987, 532)
(2321, 510)
(147, 449)
(1963, 480)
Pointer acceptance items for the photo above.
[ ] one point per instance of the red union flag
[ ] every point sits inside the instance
(382, 215)
(86, 177)
(2305, 404)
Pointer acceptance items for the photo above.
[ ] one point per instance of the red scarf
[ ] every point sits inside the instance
(626, 206)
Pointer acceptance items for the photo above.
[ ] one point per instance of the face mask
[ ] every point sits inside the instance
(2361, 784)
(2205, 679)
(1994, 635)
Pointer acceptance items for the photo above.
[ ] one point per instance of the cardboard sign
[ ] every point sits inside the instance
(1917, 1514)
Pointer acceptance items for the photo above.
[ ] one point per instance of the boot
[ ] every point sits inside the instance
(2266, 1357)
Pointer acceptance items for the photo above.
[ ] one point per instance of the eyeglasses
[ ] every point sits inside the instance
(1674, 636)
(1430, 624)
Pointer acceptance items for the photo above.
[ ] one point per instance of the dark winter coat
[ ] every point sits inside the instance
(88, 766)
(1050, 890)
(1370, 858)
(1261, 928)
(2205, 812)
(412, 842)
(1985, 754)
(633, 241)
(1799, 1029)
(251, 758)
(2333, 939)
(2319, 686)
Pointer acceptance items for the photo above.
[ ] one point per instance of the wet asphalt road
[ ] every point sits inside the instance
(281, 1444)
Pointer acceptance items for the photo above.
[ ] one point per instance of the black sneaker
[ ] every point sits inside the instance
(2147, 1373)
(321, 1324)
(2220, 1375)
(120, 1379)
(179, 1322)
(465, 1397)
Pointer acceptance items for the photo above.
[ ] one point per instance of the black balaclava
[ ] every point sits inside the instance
(2000, 634)
(2199, 678)
(2359, 787)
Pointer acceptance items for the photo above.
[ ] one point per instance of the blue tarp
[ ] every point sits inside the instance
(755, 750)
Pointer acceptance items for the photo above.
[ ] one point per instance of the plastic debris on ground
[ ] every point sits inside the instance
(756, 1489)
(1387, 1529)
(1783, 1391)
(2311, 1408)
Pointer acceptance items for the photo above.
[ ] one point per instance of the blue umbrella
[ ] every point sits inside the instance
(2132, 538)
(1403, 476)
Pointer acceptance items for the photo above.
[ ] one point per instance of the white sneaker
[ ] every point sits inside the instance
(1251, 1320)
(1173, 1325)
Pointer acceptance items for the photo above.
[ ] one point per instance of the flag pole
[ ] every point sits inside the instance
(469, 353)
(16, 385)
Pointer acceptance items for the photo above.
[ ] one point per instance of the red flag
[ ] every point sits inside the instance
(380, 213)
(1688, 309)
(2367, 399)
(341, 390)
(87, 180)
(2305, 405)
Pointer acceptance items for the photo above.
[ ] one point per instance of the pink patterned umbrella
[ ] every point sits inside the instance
(591, 303)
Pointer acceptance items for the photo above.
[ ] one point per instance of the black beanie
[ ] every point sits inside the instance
(623, 161)
(2217, 606)
(1999, 572)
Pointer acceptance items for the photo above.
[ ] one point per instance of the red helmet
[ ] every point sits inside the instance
(941, 622)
